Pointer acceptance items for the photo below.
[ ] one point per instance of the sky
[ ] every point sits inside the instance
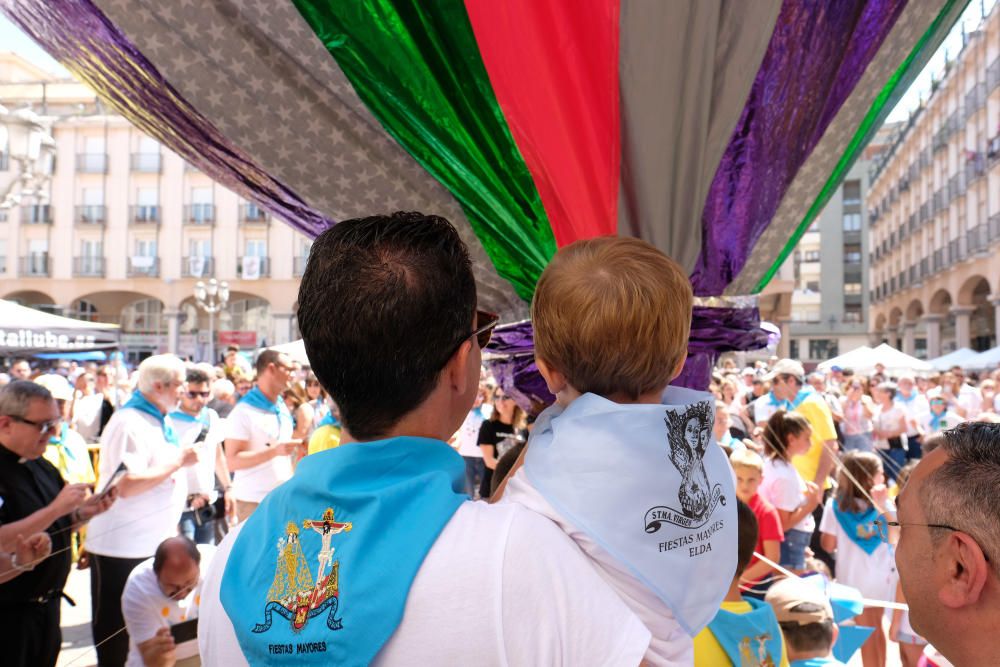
(12, 39)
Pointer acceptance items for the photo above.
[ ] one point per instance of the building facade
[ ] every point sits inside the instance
(934, 212)
(128, 228)
(829, 303)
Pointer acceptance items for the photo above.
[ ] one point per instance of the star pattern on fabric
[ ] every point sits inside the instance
(258, 73)
(811, 178)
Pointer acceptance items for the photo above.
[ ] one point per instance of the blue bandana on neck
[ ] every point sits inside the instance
(803, 394)
(751, 638)
(327, 559)
(860, 527)
(142, 404)
(606, 467)
(816, 662)
(61, 441)
(904, 399)
(255, 398)
(328, 420)
(181, 416)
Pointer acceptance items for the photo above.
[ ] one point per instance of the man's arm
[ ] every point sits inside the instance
(760, 569)
(827, 462)
(238, 456)
(70, 497)
(27, 553)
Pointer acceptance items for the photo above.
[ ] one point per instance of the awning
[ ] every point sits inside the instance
(26, 331)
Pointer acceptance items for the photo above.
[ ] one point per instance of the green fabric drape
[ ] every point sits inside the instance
(416, 65)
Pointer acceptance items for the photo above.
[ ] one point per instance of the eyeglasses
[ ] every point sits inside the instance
(43, 427)
(199, 394)
(888, 520)
(485, 322)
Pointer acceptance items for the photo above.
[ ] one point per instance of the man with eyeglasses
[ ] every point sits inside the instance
(406, 569)
(154, 493)
(199, 426)
(162, 592)
(949, 544)
(259, 446)
(34, 498)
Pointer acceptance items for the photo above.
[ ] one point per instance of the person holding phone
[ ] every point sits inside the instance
(161, 600)
(259, 444)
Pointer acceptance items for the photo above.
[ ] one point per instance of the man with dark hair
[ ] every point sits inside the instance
(160, 592)
(200, 427)
(949, 543)
(259, 445)
(20, 369)
(35, 498)
(379, 527)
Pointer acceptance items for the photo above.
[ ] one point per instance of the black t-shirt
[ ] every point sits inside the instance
(26, 488)
(503, 437)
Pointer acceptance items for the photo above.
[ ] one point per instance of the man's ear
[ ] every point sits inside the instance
(554, 379)
(968, 571)
(457, 371)
(679, 368)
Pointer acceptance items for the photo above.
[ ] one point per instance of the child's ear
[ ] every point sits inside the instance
(554, 379)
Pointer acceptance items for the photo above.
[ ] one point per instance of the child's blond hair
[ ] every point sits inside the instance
(613, 315)
(747, 458)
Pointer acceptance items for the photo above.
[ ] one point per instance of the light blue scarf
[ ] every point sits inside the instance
(335, 599)
(788, 406)
(904, 399)
(142, 404)
(255, 398)
(328, 420)
(181, 416)
(860, 527)
(938, 421)
(649, 484)
(756, 632)
(816, 662)
(61, 441)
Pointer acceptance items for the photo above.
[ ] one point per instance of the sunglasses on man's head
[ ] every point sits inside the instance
(485, 323)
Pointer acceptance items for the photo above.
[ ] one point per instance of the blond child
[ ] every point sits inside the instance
(749, 469)
(625, 466)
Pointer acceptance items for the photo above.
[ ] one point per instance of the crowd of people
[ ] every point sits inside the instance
(358, 511)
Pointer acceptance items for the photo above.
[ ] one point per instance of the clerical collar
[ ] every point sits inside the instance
(11, 455)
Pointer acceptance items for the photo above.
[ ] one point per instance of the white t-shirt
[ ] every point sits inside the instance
(87, 416)
(949, 420)
(887, 420)
(258, 428)
(670, 645)
(146, 609)
(500, 586)
(201, 477)
(133, 527)
(874, 575)
(763, 408)
(915, 410)
(783, 487)
(468, 435)
(970, 399)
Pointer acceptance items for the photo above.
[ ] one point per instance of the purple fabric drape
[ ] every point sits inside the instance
(713, 331)
(81, 37)
(817, 54)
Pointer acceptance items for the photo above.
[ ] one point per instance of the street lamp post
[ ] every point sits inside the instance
(211, 298)
(25, 140)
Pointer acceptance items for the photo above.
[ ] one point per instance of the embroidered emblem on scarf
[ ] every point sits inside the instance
(752, 639)
(860, 527)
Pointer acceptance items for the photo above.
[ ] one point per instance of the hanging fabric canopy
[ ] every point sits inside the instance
(977, 361)
(952, 359)
(26, 331)
(864, 360)
(856, 358)
(715, 130)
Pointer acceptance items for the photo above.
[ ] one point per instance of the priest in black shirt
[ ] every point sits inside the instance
(35, 498)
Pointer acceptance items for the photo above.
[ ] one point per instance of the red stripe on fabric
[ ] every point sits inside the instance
(554, 70)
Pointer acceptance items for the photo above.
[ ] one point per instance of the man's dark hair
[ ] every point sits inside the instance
(163, 552)
(811, 637)
(196, 376)
(232, 348)
(264, 358)
(384, 303)
(746, 541)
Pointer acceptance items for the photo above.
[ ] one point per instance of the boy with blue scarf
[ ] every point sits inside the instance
(625, 465)
(807, 622)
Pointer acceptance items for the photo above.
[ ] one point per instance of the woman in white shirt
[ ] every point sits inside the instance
(890, 428)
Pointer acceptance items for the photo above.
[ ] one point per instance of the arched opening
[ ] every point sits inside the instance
(144, 329)
(82, 309)
(941, 304)
(34, 299)
(914, 313)
(982, 322)
(896, 328)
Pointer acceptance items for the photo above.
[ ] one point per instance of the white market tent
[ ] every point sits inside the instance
(26, 331)
(956, 358)
(860, 356)
(296, 350)
(982, 361)
(864, 359)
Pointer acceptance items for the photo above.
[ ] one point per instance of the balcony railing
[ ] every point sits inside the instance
(246, 271)
(198, 267)
(38, 214)
(92, 163)
(925, 267)
(937, 262)
(299, 266)
(34, 265)
(199, 214)
(251, 214)
(147, 163)
(975, 99)
(88, 267)
(993, 75)
(994, 223)
(143, 267)
(4, 161)
(144, 215)
(91, 215)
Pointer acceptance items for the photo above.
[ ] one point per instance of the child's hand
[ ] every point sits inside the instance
(814, 494)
